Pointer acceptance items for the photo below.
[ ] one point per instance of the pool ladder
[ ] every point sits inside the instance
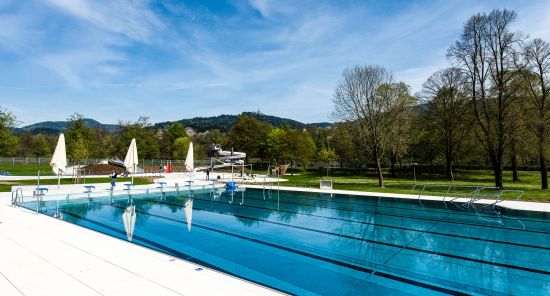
(16, 196)
(473, 196)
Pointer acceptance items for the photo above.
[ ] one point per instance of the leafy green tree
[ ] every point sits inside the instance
(41, 146)
(535, 70)
(78, 131)
(342, 143)
(299, 146)
(326, 155)
(180, 147)
(26, 144)
(146, 139)
(80, 150)
(102, 140)
(176, 131)
(399, 136)
(448, 111)
(250, 136)
(8, 142)
(276, 144)
(486, 53)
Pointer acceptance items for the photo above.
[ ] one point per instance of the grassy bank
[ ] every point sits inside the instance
(529, 182)
(27, 170)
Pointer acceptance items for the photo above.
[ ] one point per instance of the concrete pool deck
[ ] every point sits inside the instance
(40, 255)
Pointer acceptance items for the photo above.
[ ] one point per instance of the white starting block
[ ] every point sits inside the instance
(325, 185)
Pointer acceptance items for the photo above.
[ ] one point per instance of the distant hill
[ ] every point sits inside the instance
(225, 122)
(199, 124)
(55, 127)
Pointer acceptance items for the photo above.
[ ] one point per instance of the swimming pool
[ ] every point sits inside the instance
(313, 243)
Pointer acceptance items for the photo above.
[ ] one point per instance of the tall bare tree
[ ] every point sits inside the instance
(367, 96)
(535, 69)
(448, 111)
(486, 54)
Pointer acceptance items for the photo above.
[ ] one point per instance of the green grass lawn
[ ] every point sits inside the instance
(27, 170)
(345, 180)
(5, 186)
(529, 182)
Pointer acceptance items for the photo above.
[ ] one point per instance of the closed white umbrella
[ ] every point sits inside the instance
(189, 161)
(131, 159)
(188, 209)
(59, 159)
(129, 220)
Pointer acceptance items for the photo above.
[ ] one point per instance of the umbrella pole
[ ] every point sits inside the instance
(133, 174)
(58, 178)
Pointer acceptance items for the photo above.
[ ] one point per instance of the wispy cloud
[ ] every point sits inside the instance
(199, 58)
(262, 6)
(133, 19)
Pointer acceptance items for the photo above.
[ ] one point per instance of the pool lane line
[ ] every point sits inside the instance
(442, 212)
(402, 216)
(162, 248)
(391, 215)
(309, 229)
(422, 209)
(505, 265)
(364, 223)
(179, 254)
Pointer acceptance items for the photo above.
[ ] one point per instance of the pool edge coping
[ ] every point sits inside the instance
(508, 204)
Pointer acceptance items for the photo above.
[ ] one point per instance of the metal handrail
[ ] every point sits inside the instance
(474, 195)
(446, 193)
(16, 196)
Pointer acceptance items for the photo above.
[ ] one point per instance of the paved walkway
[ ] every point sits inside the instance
(40, 255)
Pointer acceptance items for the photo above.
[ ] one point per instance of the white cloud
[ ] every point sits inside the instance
(262, 6)
(129, 18)
(285, 59)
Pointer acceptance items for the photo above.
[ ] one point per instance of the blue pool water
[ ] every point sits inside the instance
(318, 244)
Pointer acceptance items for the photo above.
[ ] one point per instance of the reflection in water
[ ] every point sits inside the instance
(129, 219)
(188, 209)
(232, 194)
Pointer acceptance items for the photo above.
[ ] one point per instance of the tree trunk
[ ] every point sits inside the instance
(291, 167)
(392, 165)
(379, 173)
(497, 169)
(449, 168)
(543, 168)
(514, 167)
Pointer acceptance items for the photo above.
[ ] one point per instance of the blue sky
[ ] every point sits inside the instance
(116, 60)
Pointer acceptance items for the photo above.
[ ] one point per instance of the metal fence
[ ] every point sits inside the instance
(39, 161)
(44, 161)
